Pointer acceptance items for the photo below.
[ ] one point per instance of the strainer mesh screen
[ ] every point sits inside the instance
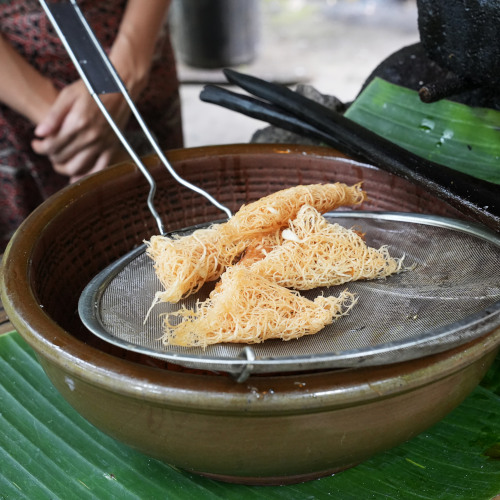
(451, 276)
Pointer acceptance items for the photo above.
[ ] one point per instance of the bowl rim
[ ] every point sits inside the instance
(90, 365)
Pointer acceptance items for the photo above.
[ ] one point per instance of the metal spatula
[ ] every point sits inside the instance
(100, 77)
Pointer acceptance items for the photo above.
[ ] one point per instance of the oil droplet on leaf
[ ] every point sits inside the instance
(427, 125)
(446, 136)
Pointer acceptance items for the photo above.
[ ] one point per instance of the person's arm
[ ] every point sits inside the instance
(133, 49)
(22, 87)
(75, 134)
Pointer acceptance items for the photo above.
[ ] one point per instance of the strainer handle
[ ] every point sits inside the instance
(100, 77)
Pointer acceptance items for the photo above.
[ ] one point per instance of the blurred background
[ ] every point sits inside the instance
(332, 45)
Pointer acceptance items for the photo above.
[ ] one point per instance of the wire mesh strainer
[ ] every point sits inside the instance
(449, 297)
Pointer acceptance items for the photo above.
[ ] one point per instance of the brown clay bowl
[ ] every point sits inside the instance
(269, 429)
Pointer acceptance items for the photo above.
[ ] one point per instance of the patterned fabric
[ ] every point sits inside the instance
(27, 179)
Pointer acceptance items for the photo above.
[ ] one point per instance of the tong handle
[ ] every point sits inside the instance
(100, 77)
(73, 33)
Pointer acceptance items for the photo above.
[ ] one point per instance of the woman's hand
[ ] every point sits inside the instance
(75, 135)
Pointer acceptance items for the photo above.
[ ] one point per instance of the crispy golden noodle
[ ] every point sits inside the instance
(184, 264)
(315, 253)
(257, 248)
(276, 210)
(248, 308)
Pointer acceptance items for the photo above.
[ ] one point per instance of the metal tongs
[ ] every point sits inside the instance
(100, 77)
(284, 108)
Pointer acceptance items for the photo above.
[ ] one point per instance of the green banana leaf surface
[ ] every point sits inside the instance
(48, 451)
(461, 137)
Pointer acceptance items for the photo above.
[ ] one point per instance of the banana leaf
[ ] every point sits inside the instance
(460, 137)
(48, 451)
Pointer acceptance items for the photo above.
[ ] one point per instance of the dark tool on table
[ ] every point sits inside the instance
(289, 110)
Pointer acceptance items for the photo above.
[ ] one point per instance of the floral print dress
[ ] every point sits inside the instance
(27, 179)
